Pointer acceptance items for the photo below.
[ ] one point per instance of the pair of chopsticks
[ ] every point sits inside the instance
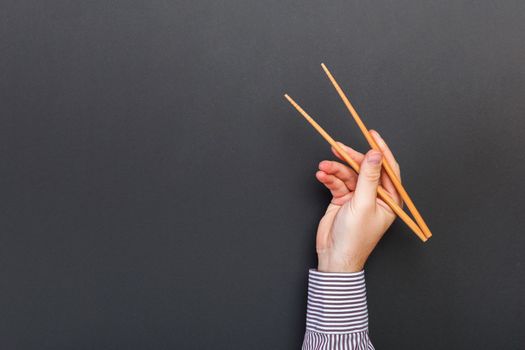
(420, 229)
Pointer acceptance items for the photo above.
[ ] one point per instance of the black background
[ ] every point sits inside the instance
(157, 191)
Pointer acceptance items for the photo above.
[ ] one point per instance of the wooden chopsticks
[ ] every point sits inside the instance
(422, 231)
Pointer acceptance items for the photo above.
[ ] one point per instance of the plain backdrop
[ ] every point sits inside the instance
(157, 191)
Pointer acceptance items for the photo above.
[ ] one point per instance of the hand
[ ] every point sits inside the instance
(355, 219)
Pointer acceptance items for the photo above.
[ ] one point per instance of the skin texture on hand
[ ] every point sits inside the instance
(355, 219)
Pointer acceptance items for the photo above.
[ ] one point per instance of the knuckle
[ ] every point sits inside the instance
(372, 175)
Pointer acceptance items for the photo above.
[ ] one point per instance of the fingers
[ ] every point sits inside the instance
(341, 171)
(355, 155)
(389, 157)
(390, 188)
(366, 189)
(384, 180)
(335, 185)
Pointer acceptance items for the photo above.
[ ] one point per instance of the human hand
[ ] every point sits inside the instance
(355, 219)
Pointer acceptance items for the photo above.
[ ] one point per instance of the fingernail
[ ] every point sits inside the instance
(374, 158)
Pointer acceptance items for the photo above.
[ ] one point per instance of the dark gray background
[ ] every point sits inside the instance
(157, 192)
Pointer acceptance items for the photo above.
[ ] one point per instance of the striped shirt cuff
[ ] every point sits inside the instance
(336, 302)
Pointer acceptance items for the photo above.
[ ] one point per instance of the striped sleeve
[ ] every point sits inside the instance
(337, 313)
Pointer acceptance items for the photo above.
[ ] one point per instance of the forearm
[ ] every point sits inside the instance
(337, 313)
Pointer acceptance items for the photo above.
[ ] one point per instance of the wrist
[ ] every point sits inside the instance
(332, 263)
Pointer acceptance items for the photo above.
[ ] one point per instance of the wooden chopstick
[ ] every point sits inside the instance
(388, 168)
(382, 193)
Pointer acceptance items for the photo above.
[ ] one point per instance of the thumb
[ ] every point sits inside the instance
(368, 180)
